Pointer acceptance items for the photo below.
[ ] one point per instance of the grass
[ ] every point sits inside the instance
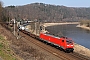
(5, 51)
(6, 56)
(1, 38)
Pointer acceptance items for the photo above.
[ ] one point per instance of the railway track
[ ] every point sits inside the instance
(44, 47)
(79, 56)
(56, 52)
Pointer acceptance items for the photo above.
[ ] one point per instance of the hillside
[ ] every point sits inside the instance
(48, 13)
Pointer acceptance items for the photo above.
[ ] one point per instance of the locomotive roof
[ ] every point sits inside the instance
(56, 36)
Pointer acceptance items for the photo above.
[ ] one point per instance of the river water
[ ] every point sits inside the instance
(79, 35)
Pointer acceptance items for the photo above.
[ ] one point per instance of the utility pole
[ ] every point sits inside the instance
(35, 28)
(14, 26)
(9, 17)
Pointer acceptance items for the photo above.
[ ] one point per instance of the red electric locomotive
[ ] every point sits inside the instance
(62, 42)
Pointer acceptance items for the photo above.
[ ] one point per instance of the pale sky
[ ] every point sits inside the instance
(68, 3)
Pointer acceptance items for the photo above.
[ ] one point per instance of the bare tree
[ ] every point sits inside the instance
(1, 11)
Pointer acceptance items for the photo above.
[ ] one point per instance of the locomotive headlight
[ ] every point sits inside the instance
(71, 45)
(67, 45)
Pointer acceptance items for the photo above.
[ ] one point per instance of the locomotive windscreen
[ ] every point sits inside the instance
(69, 41)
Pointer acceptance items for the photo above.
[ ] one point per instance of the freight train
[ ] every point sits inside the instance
(63, 43)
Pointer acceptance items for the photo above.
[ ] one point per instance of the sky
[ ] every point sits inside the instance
(68, 3)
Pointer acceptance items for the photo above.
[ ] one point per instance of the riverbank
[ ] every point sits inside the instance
(53, 24)
(77, 48)
(83, 26)
(81, 50)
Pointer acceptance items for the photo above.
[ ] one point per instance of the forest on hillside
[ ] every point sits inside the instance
(0, 11)
(3, 13)
(47, 13)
